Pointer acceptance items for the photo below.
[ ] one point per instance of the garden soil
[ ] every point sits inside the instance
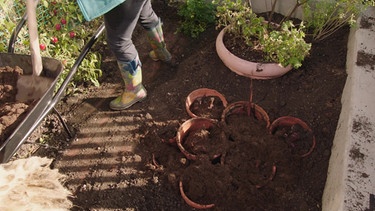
(128, 160)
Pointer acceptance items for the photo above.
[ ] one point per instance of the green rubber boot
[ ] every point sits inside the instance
(134, 91)
(156, 39)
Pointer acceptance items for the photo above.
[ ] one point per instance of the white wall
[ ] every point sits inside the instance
(282, 6)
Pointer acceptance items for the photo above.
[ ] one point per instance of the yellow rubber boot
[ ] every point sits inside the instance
(134, 91)
(156, 39)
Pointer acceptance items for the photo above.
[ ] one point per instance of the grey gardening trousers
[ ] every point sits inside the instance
(120, 23)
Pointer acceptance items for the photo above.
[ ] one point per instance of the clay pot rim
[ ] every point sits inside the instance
(270, 178)
(202, 92)
(186, 127)
(258, 109)
(192, 203)
(294, 120)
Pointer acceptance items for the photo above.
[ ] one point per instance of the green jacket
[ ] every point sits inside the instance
(94, 8)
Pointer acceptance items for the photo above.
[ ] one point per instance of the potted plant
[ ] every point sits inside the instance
(282, 44)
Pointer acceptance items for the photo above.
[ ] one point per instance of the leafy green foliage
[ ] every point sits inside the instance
(196, 16)
(241, 21)
(6, 24)
(63, 32)
(326, 17)
(287, 45)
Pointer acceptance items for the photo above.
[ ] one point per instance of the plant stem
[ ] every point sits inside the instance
(298, 4)
(272, 11)
(250, 108)
(331, 26)
(329, 30)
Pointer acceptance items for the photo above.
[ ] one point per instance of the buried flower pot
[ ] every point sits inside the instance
(267, 179)
(244, 108)
(194, 139)
(205, 102)
(247, 129)
(254, 70)
(203, 184)
(192, 203)
(297, 134)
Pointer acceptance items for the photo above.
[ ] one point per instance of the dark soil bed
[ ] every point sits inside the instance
(128, 160)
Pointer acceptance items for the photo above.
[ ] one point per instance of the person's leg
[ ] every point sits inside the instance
(120, 23)
(153, 25)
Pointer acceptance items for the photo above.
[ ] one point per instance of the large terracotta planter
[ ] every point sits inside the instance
(247, 68)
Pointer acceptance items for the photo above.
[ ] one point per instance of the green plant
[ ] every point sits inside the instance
(326, 17)
(196, 16)
(287, 45)
(6, 24)
(284, 44)
(62, 34)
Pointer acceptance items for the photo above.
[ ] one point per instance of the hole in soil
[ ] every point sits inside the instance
(231, 138)
(216, 160)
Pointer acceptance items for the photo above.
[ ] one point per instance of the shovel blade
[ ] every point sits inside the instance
(31, 87)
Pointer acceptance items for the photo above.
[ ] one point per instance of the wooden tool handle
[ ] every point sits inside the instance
(32, 25)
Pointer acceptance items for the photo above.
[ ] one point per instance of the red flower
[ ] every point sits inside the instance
(72, 34)
(58, 27)
(54, 40)
(42, 47)
(63, 21)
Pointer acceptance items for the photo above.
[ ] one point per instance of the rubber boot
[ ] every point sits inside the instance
(134, 91)
(156, 39)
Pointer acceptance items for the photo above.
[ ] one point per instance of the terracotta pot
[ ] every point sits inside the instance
(192, 203)
(199, 93)
(192, 125)
(294, 129)
(241, 107)
(247, 68)
(269, 179)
